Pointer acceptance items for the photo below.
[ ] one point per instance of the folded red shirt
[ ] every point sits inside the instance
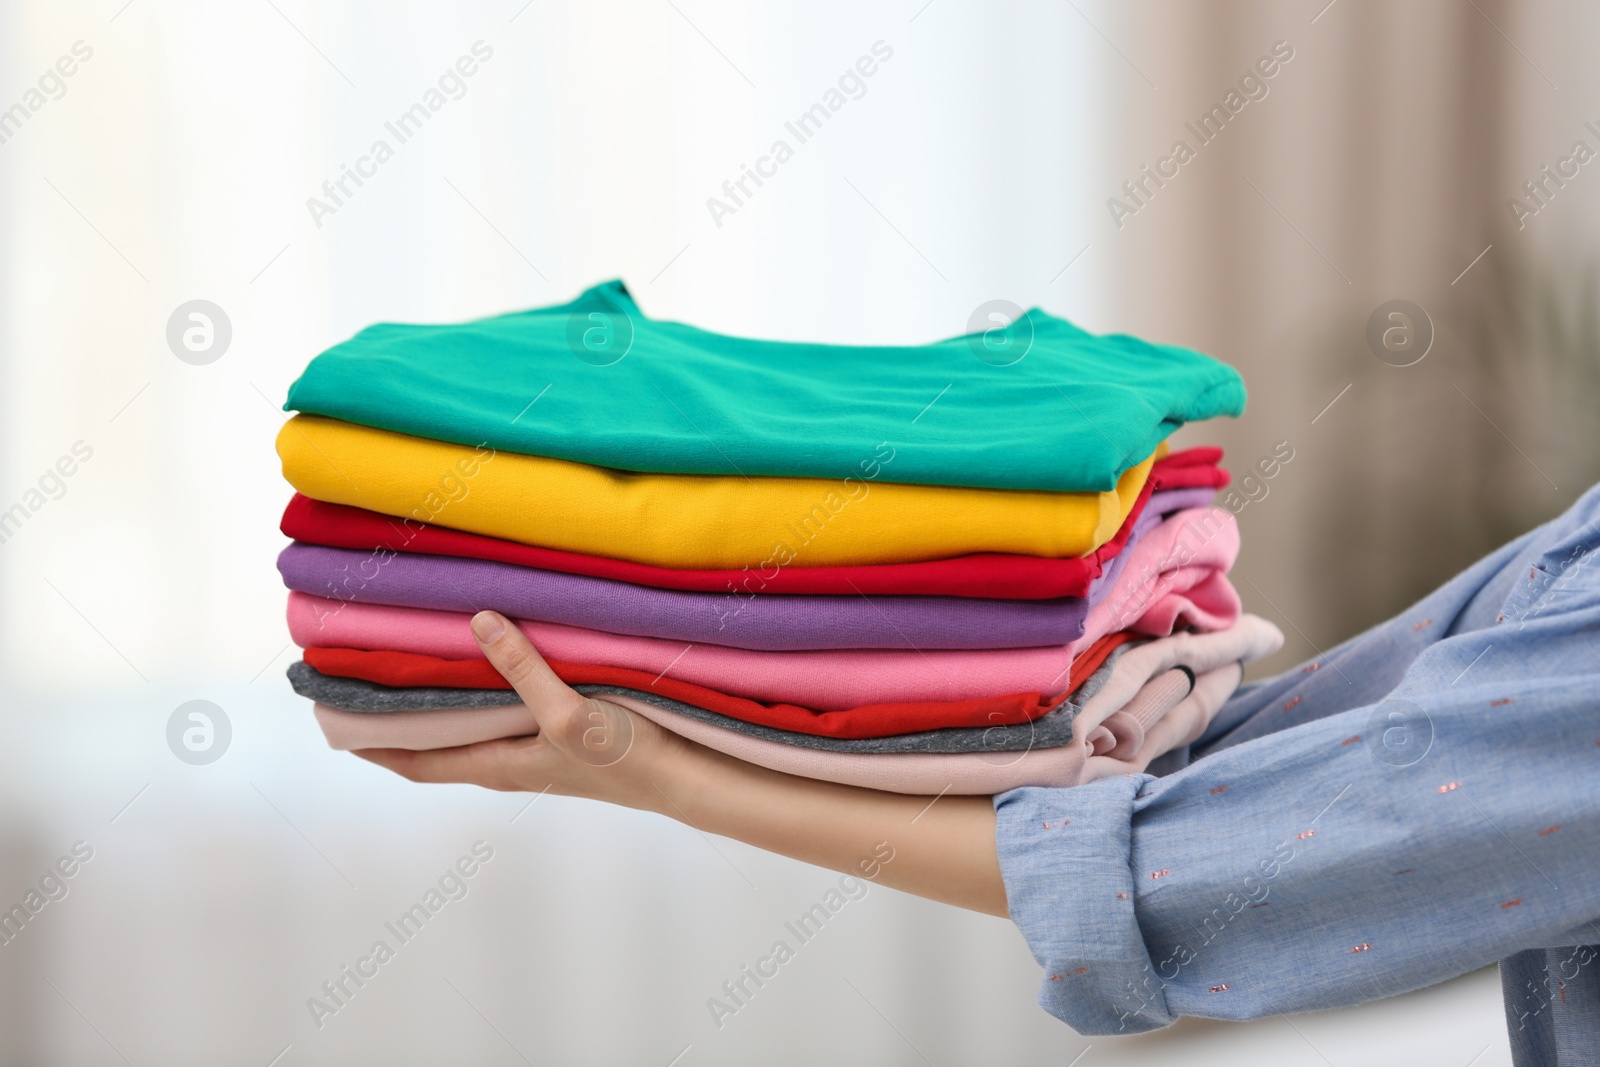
(991, 574)
(401, 669)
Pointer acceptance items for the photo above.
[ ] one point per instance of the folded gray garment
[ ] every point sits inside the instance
(1050, 730)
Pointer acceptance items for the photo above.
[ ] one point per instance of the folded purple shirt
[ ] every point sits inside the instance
(764, 623)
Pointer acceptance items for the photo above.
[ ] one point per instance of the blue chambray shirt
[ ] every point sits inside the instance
(1418, 802)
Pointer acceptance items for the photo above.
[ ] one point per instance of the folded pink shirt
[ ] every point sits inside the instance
(422, 731)
(1174, 576)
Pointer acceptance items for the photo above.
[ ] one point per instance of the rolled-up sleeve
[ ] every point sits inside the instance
(1359, 855)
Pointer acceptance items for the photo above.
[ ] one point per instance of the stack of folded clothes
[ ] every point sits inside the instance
(902, 568)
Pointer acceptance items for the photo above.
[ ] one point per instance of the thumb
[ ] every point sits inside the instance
(513, 655)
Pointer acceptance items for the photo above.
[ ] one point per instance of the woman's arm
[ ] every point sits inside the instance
(943, 849)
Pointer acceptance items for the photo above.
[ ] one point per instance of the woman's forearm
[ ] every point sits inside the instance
(940, 848)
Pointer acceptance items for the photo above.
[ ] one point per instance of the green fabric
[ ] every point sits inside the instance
(1072, 414)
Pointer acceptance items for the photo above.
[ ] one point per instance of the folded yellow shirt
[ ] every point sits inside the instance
(692, 520)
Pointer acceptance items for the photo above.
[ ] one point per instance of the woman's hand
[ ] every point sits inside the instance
(584, 748)
(938, 847)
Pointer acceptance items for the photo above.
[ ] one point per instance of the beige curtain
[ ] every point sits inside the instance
(1377, 166)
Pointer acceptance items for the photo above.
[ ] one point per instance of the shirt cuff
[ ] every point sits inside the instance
(1064, 855)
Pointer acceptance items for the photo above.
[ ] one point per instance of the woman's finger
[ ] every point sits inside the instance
(513, 655)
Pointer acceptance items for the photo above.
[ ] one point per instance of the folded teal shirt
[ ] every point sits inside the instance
(1073, 413)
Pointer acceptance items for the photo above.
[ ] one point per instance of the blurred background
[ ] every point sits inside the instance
(1426, 152)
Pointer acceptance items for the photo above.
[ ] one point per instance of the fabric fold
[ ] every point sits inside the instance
(871, 719)
(982, 773)
(761, 623)
(598, 382)
(1176, 481)
(1176, 574)
(690, 520)
(755, 622)
(1053, 728)
(353, 680)
(423, 730)
(1109, 667)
